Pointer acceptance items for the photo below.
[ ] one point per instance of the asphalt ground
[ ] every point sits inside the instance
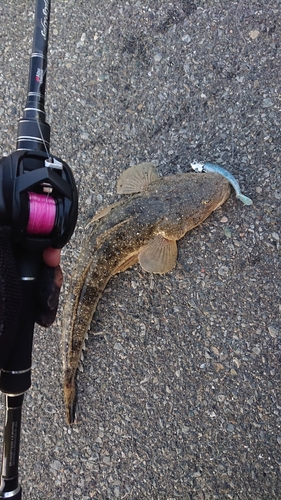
(180, 394)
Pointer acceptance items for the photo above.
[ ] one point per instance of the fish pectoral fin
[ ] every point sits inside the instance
(129, 262)
(159, 255)
(136, 178)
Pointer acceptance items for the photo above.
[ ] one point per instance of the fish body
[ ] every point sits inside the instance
(143, 227)
(210, 167)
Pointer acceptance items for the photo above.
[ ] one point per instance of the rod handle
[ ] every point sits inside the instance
(15, 375)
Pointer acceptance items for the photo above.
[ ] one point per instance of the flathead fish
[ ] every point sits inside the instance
(144, 227)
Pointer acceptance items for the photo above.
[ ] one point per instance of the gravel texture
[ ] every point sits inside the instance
(180, 394)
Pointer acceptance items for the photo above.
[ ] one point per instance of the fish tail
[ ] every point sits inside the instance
(69, 396)
(244, 199)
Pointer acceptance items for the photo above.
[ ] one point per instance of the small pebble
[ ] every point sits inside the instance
(223, 271)
(106, 459)
(267, 102)
(89, 200)
(158, 57)
(219, 367)
(254, 34)
(215, 350)
(227, 232)
(185, 429)
(117, 491)
(196, 474)
(118, 346)
(236, 362)
(273, 332)
(186, 38)
(56, 465)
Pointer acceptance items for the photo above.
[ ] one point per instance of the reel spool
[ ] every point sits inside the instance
(38, 199)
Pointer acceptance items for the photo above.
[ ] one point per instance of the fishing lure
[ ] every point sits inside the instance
(210, 167)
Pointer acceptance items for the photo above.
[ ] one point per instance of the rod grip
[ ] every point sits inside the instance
(15, 375)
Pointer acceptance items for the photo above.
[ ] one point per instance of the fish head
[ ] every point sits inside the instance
(192, 198)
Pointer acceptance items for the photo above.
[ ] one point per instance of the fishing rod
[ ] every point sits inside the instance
(39, 202)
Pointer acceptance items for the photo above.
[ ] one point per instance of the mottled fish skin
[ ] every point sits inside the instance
(210, 167)
(168, 207)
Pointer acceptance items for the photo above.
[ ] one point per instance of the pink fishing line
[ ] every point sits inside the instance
(42, 214)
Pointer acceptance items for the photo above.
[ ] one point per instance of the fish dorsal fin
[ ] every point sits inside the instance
(136, 178)
(159, 255)
(102, 213)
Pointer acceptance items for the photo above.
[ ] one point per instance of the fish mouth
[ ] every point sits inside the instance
(226, 196)
(223, 196)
